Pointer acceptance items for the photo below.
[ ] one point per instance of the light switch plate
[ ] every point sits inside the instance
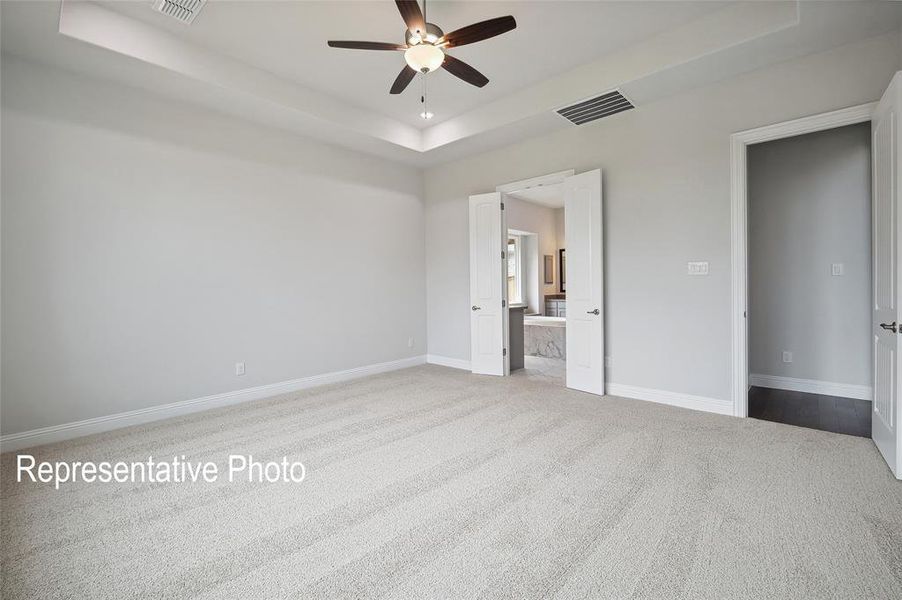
(787, 357)
(836, 269)
(697, 268)
(239, 368)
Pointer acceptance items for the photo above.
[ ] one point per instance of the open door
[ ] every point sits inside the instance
(488, 289)
(887, 321)
(585, 312)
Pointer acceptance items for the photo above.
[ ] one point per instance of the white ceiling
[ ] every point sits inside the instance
(268, 61)
(289, 40)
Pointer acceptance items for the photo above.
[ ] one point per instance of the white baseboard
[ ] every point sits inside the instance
(812, 386)
(67, 431)
(703, 403)
(454, 363)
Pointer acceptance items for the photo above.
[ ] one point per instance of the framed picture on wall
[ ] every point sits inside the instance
(563, 261)
(549, 268)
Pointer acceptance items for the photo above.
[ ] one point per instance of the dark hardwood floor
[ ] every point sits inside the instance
(827, 413)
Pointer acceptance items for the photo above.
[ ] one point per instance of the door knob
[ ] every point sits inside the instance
(474, 307)
(889, 326)
(592, 312)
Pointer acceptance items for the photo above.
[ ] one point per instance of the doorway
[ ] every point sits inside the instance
(885, 266)
(550, 323)
(809, 262)
(537, 328)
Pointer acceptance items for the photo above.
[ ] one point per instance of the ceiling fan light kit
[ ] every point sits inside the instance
(424, 57)
(426, 45)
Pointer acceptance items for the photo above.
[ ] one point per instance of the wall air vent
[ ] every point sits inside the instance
(595, 108)
(181, 10)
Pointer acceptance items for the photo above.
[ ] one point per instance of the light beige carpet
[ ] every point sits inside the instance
(434, 483)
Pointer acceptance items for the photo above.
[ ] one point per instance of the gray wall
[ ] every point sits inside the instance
(148, 246)
(809, 207)
(666, 169)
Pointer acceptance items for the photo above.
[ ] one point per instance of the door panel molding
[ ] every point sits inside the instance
(583, 223)
(488, 292)
(886, 423)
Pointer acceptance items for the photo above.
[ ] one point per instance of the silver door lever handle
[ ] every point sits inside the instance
(592, 312)
(474, 307)
(889, 326)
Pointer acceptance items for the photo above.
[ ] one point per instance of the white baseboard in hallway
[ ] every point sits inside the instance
(445, 361)
(67, 431)
(812, 386)
(703, 403)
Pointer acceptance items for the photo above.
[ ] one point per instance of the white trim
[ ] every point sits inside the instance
(524, 184)
(812, 386)
(739, 224)
(446, 361)
(67, 431)
(702, 403)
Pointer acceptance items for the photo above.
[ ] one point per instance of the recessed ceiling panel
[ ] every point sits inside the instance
(289, 40)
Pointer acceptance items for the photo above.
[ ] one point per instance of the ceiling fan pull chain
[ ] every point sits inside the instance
(425, 114)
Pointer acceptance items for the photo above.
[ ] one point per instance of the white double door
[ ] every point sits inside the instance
(585, 309)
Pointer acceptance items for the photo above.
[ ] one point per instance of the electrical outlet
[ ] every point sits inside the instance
(787, 356)
(608, 362)
(836, 269)
(410, 342)
(239, 368)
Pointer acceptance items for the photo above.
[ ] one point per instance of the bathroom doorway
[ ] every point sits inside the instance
(536, 280)
(499, 338)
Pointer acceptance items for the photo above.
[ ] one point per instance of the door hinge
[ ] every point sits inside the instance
(503, 303)
(504, 352)
(502, 206)
(502, 255)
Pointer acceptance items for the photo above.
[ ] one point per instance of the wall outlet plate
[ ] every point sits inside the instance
(239, 368)
(697, 267)
(787, 356)
(836, 269)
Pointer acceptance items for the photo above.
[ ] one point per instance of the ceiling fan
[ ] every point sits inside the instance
(426, 45)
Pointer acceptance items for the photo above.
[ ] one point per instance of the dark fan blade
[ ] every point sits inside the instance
(412, 15)
(367, 45)
(478, 32)
(404, 78)
(459, 68)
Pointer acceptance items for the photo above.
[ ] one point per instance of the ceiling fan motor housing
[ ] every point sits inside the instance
(432, 34)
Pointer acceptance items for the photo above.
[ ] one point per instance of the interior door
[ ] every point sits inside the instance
(885, 417)
(585, 312)
(488, 289)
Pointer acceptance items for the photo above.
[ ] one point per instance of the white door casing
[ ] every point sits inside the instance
(739, 143)
(885, 417)
(488, 289)
(585, 281)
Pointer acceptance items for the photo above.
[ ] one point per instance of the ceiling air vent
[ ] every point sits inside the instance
(595, 108)
(182, 10)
